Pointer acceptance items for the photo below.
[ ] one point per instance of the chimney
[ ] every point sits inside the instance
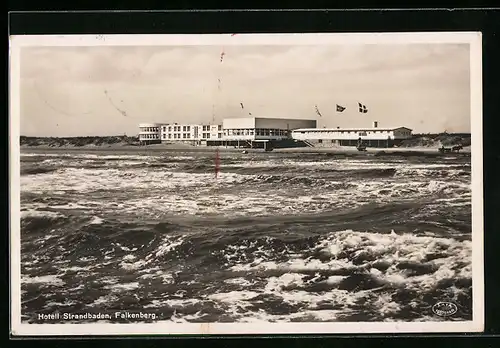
(375, 124)
(338, 127)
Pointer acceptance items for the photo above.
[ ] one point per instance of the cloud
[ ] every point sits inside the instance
(412, 85)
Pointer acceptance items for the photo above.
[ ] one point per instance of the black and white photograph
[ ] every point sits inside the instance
(244, 183)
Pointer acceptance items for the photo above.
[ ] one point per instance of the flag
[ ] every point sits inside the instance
(362, 108)
(340, 108)
(317, 111)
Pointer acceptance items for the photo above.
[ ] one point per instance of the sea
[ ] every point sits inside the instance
(266, 237)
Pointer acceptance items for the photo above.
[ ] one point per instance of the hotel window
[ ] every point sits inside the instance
(219, 135)
(320, 141)
(170, 136)
(188, 128)
(164, 136)
(164, 128)
(219, 128)
(251, 131)
(246, 132)
(188, 136)
(169, 128)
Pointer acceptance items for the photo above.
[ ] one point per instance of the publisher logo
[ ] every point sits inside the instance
(444, 309)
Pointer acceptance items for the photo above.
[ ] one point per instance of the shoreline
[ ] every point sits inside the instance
(183, 148)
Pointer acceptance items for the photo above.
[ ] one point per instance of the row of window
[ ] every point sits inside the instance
(258, 131)
(187, 128)
(343, 132)
(176, 128)
(207, 128)
(187, 136)
(150, 129)
(149, 136)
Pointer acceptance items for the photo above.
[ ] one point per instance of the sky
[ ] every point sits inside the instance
(109, 90)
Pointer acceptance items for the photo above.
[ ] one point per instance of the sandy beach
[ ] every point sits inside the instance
(188, 148)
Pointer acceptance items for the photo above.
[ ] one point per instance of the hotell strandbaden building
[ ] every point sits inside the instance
(261, 132)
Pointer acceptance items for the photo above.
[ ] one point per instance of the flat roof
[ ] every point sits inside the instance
(346, 129)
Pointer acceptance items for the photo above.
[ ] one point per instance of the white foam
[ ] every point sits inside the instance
(233, 296)
(48, 279)
(123, 287)
(96, 221)
(155, 192)
(40, 214)
(393, 249)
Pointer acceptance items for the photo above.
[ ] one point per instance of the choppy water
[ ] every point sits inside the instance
(276, 237)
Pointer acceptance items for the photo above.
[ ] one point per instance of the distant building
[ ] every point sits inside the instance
(245, 132)
(149, 133)
(195, 134)
(155, 133)
(260, 132)
(250, 130)
(371, 137)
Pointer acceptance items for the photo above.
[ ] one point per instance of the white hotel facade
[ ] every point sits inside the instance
(259, 131)
(155, 133)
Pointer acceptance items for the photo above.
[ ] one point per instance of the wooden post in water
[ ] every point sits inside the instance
(217, 162)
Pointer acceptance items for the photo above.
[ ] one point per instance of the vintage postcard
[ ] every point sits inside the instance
(246, 184)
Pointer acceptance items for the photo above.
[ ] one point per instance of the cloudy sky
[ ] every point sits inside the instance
(79, 91)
